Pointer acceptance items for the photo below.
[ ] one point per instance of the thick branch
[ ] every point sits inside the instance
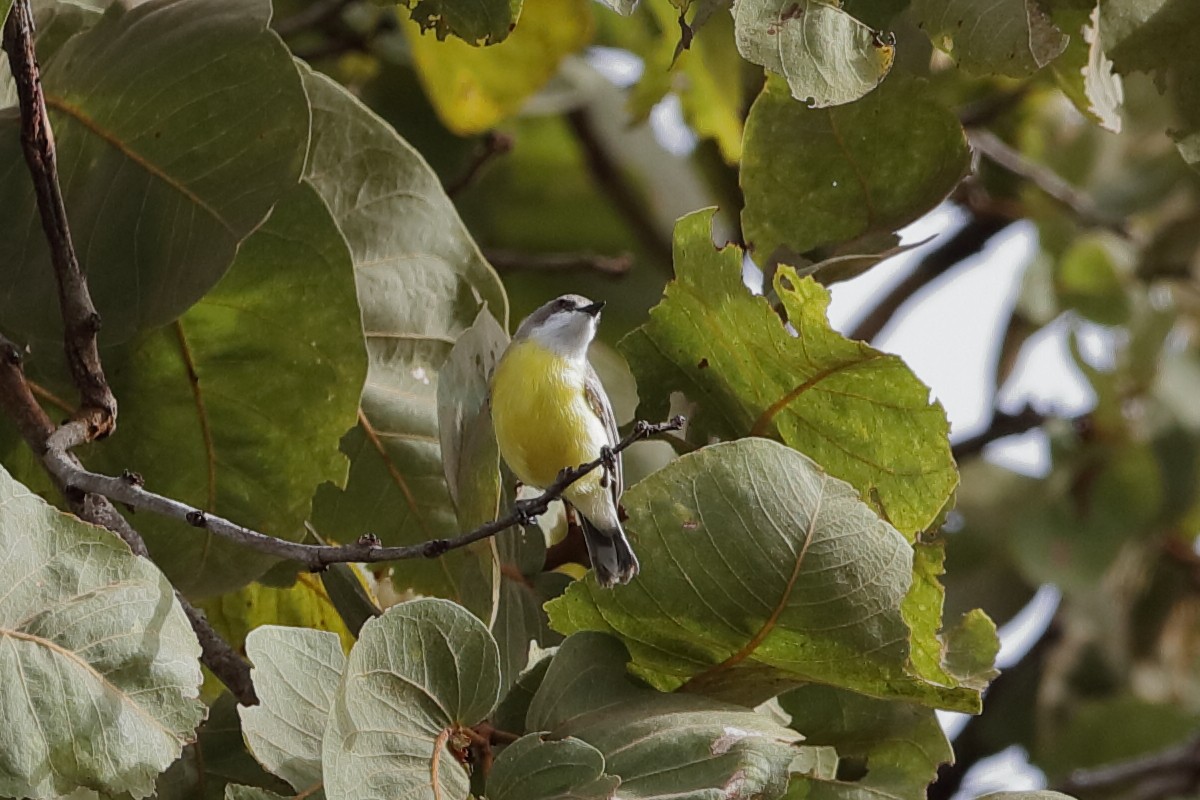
(1174, 771)
(511, 261)
(966, 242)
(19, 404)
(1044, 178)
(98, 411)
(609, 178)
(1003, 424)
(69, 473)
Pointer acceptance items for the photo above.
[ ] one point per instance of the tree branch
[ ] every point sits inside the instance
(1174, 771)
(70, 474)
(18, 402)
(98, 406)
(1044, 178)
(608, 177)
(493, 145)
(966, 242)
(1003, 424)
(511, 261)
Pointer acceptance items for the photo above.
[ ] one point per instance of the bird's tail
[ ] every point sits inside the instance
(612, 557)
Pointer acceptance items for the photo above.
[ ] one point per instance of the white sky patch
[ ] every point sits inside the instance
(666, 120)
(1006, 771)
(621, 67)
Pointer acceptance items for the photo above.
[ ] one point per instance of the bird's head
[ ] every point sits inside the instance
(565, 325)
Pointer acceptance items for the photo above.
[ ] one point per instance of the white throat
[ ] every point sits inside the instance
(566, 333)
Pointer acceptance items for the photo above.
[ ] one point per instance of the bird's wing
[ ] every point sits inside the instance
(598, 400)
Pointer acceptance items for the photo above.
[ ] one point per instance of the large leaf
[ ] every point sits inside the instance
(861, 414)
(1009, 37)
(418, 676)
(533, 768)
(481, 23)
(421, 282)
(473, 89)
(678, 746)
(296, 675)
(760, 571)
(178, 125)
(201, 423)
(101, 667)
(897, 745)
(1085, 70)
(827, 56)
(866, 168)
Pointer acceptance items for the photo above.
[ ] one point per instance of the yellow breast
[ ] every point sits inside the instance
(541, 415)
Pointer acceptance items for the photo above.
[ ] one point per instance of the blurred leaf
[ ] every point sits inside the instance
(418, 676)
(1084, 70)
(483, 22)
(1008, 37)
(347, 593)
(1089, 281)
(869, 167)
(859, 413)
(99, 643)
(827, 56)
(524, 590)
(470, 456)
(218, 757)
(473, 88)
(296, 674)
(533, 768)
(761, 572)
(198, 418)
(421, 282)
(897, 745)
(660, 745)
(150, 105)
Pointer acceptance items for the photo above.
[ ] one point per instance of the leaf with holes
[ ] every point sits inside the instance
(178, 125)
(296, 674)
(668, 746)
(418, 678)
(827, 56)
(421, 282)
(896, 746)
(534, 768)
(859, 413)
(759, 572)
(1008, 37)
(199, 420)
(100, 646)
(484, 22)
(862, 169)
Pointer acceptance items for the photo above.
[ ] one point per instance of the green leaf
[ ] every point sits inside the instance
(470, 455)
(511, 711)
(479, 23)
(1089, 280)
(532, 768)
(866, 168)
(421, 283)
(1085, 71)
(898, 746)
(216, 759)
(762, 572)
(418, 676)
(861, 414)
(1009, 37)
(677, 746)
(199, 420)
(178, 125)
(102, 667)
(296, 675)
(524, 589)
(827, 56)
(474, 89)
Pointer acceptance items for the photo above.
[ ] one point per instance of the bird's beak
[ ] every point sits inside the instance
(593, 308)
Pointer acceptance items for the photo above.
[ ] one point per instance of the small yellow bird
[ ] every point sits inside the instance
(550, 413)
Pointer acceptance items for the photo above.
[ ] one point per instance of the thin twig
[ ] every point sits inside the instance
(311, 17)
(609, 178)
(967, 241)
(1003, 424)
(493, 145)
(512, 261)
(19, 404)
(67, 471)
(1046, 179)
(98, 406)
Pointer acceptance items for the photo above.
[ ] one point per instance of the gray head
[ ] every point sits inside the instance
(565, 325)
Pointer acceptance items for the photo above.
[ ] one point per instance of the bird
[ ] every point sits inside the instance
(550, 413)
